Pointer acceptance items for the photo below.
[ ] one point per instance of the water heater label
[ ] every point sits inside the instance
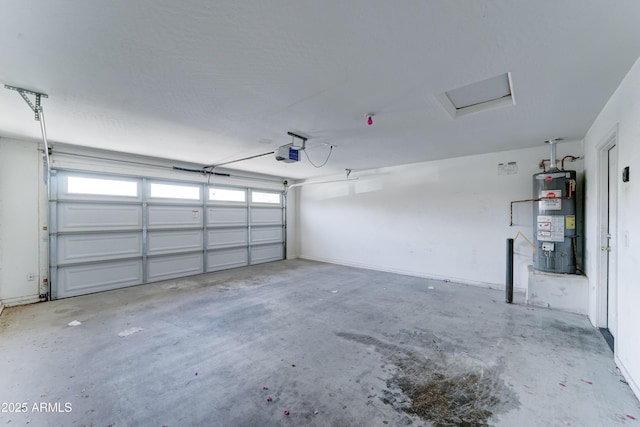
(550, 228)
(570, 222)
(552, 200)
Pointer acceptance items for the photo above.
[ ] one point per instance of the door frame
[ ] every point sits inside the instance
(603, 148)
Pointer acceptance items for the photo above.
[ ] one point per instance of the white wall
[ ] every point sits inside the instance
(622, 111)
(19, 224)
(293, 238)
(444, 219)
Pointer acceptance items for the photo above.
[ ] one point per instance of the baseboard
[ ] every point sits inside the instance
(635, 388)
(487, 285)
(12, 302)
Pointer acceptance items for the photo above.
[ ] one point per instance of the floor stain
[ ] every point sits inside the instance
(445, 388)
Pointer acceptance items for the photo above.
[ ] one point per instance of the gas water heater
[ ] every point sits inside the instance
(554, 217)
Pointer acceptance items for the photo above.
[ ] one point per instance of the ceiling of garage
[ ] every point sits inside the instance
(212, 81)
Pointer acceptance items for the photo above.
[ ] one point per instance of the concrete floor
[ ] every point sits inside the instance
(333, 345)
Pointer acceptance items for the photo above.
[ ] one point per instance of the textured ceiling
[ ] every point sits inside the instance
(211, 81)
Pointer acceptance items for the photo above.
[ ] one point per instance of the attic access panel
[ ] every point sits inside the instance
(484, 95)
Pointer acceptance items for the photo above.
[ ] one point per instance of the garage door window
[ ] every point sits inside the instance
(263, 197)
(168, 191)
(102, 187)
(227, 195)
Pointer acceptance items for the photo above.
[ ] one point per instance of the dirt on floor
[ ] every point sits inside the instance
(461, 400)
(445, 388)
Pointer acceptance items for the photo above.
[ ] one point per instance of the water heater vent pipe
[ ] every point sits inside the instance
(553, 166)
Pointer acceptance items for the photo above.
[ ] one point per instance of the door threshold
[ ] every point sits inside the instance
(607, 337)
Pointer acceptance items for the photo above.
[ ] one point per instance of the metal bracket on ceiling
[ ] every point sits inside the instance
(23, 93)
(39, 116)
(294, 136)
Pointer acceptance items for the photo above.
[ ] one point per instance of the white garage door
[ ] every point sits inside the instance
(109, 232)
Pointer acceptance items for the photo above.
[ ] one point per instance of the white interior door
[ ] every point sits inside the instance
(610, 238)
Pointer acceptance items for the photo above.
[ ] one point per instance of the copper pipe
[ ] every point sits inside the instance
(568, 197)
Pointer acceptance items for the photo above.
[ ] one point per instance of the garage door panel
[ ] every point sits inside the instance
(266, 216)
(170, 267)
(98, 247)
(266, 234)
(111, 231)
(77, 217)
(266, 253)
(227, 258)
(165, 242)
(226, 217)
(225, 237)
(174, 217)
(85, 279)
